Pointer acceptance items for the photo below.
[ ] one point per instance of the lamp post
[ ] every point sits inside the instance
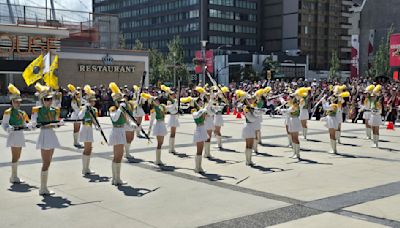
(203, 55)
(218, 51)
(174, 54)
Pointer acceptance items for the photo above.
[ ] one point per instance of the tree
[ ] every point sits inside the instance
(334, 67)
(175, 58)
(270, 65)
(121, 41)
(138, 45)
(381, 62)
(157, 66)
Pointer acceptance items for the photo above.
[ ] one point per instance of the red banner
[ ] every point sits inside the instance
(395, 50)
(371, 39)
(209, 62)
(355, 46)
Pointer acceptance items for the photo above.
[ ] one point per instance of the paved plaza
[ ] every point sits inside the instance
(360, 187)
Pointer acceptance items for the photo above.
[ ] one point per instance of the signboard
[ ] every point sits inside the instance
(371, 48)
(107, 67)
(26, 45)
(395, 50)
(355, 50)
(209, 61)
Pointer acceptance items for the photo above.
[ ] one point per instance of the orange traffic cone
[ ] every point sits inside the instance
(239, 115)
(390, 126)
(234, 112)
(228, 111)
(146, 117)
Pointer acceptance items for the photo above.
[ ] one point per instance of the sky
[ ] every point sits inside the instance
(81, 5)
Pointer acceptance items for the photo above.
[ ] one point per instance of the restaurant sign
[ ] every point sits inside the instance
(107, 67)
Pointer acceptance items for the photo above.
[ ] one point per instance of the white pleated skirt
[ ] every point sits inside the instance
(173, 121)
(16, 139)
(74, 115)
(200, 134)
(304, 114)
(249, 131)
(139, 112)
(367, 115)
(117, 136)
(160, 129)
(331, 122)
(218, 120)
(375, 120)
(47, 139)
(257, 124)
(129, 127)
(86, 134)
(209, 123)
(294, 124)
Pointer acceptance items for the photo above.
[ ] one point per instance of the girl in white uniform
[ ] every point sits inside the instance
(117, 137)
(200, 135)
(14, 121)
(160, 129)
(304, 114)
(218, 119)
(330, 108)
(367, 110)
(76, 107)
(376, 114)
(209, 123)
(339, 114)
(86, 130)
(173, 122)
(293, 121)
(46, 117)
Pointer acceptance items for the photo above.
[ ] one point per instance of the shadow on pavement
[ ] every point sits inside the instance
(137, 192)
(228, 150)
(267, 155)
(23, 187)
(95, 178)
(349, 144)
(54, 202)
(220, 161)
(268, 169)
(181, 155)
(135, 160)
(309, 161)
(215, 177)
(314, 140)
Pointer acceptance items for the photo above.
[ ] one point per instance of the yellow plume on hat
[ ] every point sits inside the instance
(330, 87)
(377, 89)
(41, 88)
(88, 90)
(224, 89)
(267, 89)
(370, 88)
(145, 96)
(165, 89)
(259, 92)
(240, 93)
(114, 88)
(13, 90)
(71, 88)
(135, 88)
(201, 90)
(186, 99)
(302, 92)
(344, 94)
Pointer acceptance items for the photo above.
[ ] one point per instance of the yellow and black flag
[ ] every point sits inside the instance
(34, 71)
(51, 77)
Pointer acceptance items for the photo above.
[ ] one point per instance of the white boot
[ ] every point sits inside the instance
(376, 141)
(305, 130)
(158, 157)
(333, 145)
(297, 150)
(207, 148)
(294, 156)
(76, 142)
(338, 134)
(117, 174)
(113, 168)
(85, 165)
(219, 141)
(249, 154)
(290, 141)
(44, 191)
(368, 132)
(255, 146)
(198, 168)
(259, 137)
(14, 179)
(172, 145)
(127, 151)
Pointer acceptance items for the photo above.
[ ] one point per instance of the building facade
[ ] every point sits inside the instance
(316, 28)
(234, 23)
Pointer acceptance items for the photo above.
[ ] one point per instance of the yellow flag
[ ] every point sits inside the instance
(34, 71)
(50, 78)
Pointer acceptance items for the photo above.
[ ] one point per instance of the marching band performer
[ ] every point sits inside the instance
(199, 137)
(330, 106)
(219, 120)
(46, 117)
(304, 114)
(376, 114)
(129, 127)
(76, 107)
(86, 131)
(160, 129)
(173, 123)
(249, 130)
(13, 119)
(138, 111)
(338, 91)
(367, 109)
(117, 137)
(209, 121)
(293, 121)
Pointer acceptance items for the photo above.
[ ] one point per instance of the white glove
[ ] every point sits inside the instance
(10, 129)
(29, 126)
(123, 105)
(61, 123)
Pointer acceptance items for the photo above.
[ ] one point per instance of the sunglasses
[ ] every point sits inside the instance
(48, 99)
